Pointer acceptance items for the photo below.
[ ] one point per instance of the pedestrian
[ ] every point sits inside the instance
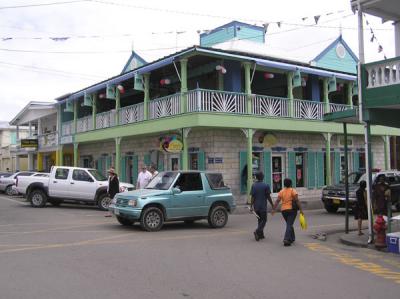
(113, 186)
(381, 196)
(260, 193)
(290, 204)
(153, 171)
(144, 178)
(360, 210)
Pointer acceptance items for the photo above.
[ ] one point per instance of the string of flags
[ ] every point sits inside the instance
(374, 38)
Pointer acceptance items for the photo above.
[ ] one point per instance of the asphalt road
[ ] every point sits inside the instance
(75, 252)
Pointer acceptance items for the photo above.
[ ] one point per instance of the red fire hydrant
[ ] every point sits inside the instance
(380, 231)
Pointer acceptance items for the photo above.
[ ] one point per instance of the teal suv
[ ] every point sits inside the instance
(176, 196)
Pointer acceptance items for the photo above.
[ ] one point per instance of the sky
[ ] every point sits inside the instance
(52, 47)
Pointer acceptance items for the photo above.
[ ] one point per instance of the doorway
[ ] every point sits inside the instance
(278, 173)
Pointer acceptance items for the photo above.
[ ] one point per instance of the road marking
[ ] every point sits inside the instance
(349, 260)
(14, 200)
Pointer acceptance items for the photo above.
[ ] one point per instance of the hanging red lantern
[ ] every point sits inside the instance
(121, 89)
(220, 69)
(165, 81)
(269, 76)
(102, 96)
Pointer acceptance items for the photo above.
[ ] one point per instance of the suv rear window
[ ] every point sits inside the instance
(216, 181)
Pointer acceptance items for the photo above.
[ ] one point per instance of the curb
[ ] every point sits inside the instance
(360, 242)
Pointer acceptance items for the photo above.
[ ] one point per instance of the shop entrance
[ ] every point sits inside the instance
(278, 172)
(174, 162)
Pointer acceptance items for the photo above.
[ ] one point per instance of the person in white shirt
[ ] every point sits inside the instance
(153, 171)
(144, 178)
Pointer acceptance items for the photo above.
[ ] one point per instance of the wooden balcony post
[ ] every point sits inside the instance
(118, 155)
(326, 95)
(386, 145)
(94, 110)
(117, 106)
(74, 131)
(350, 93)
(184, 87)
(328, 178)
(247, 85)
(146, 96)
(289, 78)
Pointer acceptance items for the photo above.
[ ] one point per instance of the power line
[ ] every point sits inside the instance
(43, 4)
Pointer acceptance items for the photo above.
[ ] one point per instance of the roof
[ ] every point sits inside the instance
(139, 59)
(333, 44)
(48, 107)
(385, 9)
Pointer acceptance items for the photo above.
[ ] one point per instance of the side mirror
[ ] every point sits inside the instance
(176, 191)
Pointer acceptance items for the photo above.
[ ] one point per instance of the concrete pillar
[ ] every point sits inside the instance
(247, 85)
(249, 136)
(59, 156)
(386, 145)
(30, 129)
(94, 110)
(184, 87)
(17, 166)
(185, 151)
(118, 155)
(397, 38)
(30, 161)
(40, 161)
(326, 95)
(146, 99)
(76, 154)
(328, 179)
(289, 79)
(39, 127)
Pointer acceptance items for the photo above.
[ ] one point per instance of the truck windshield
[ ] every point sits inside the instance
(162, 181)
(97, 175)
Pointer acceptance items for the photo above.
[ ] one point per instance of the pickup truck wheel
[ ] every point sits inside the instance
(152, 219)
(125, 221)
(103, 202)
(38, 199)
(218, 217)
(331, 209)
(9, 191)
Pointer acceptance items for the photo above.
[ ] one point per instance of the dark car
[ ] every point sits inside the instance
(334, 196)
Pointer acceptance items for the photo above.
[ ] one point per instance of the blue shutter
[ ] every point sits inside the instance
(311, 165)
(135, 169)
(243, 172)
(320, 170)
(13, 137)
(122, 175)
(292, 167)
(201, 160)
(356, 161)
(147, 159)
(336, 168)
(267, 168)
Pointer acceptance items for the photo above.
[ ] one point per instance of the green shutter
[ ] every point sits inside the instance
(100, 164)
(160, 163)
(135, 169)
(201, 160)
(292, 167)
(243, 172)
(13, 137)
(267, 168)
(320, 170)
(108, 163)
(311, 165)
(336, 168)
(122, 175)
(147, 159)
(356, 161)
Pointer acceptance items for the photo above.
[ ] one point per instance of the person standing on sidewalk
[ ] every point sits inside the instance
(113, 186)
(290, 204)
(361, 211)
(260, 193)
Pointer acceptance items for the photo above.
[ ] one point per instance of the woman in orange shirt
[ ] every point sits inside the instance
(288, 196)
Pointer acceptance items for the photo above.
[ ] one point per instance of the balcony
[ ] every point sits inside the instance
(48, 140)
(207, 101)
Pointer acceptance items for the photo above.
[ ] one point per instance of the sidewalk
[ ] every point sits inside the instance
(353, 239)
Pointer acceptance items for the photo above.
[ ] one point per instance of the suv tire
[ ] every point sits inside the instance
(125, 221)
(152, 219)
(218, 216)
(37, 198)
(9, 191)
(331, 208)
(103, 201)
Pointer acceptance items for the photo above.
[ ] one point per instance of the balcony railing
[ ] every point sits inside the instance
(383, 73)
(48, 140)
(200, 100)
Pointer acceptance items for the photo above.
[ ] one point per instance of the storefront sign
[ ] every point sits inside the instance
(26, 143)
(171, 144)
(268, 140)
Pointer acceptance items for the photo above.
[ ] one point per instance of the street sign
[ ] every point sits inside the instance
(26, 143)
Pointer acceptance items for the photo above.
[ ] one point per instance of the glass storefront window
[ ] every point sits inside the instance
(300, 170)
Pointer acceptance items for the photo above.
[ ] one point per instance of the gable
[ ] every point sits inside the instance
(338, 57)
(133, 62)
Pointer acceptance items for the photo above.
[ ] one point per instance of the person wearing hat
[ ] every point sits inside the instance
(113, 185)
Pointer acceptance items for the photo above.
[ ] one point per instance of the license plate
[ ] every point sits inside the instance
(336, 201)
(116, 211)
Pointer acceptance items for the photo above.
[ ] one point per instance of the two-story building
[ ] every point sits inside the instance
(217, 108)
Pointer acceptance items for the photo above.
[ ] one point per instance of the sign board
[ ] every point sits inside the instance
(332, 84)
(171, 144)
(297, 79)
(110, 92)
(26, 143)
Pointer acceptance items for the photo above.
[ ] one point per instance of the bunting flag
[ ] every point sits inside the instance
(279, 24)
(380, 49)
(316, 19)
(265, 25)
(374, 38)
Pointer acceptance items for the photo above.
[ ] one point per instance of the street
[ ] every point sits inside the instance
(73, 251)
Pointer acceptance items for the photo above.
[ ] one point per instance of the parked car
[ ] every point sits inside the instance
(334, 196)
(5, 174)
(7, 183)
(176, 195)
(68, 184)
(35, 175)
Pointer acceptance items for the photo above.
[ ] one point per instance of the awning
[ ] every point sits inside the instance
(349, 116)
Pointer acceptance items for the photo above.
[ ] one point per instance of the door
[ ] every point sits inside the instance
(278, 174)
(82, 185)
(59, 185)
(191, 201)
(174, 162)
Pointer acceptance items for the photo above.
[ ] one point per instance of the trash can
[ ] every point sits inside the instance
(393, 242)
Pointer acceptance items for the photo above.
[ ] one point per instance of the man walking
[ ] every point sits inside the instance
(260, 193)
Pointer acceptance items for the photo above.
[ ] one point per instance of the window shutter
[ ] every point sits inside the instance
(336, 172)
(160, 163)
(100, 164)
(147, 159)
(311, 165)
(134, 169)
(320, 170)
(292, 167)
(108, 164)
(243, 172)
(201, 160)
(356, 161)
(267, 168)
(123, 169)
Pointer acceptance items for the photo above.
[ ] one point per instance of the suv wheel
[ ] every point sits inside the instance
(331, 208)
(103, 202)
(218, 216)
(152, 219)
(9, 191)
(38, 199)
(125, 221)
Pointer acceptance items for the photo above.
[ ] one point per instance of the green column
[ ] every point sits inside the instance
(350, 94)
(146, 95)
(326, 95)
(184, 87)
(249, 160)
(75, 116)
(117, 106)
(94, 110)
(185, 153)
(386, 145)
(76, 154)
(247, 85)
(220, 81)
(289, 78)
(118, 155)
(328, 179)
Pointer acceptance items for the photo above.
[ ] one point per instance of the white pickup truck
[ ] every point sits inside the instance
(68, 184)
